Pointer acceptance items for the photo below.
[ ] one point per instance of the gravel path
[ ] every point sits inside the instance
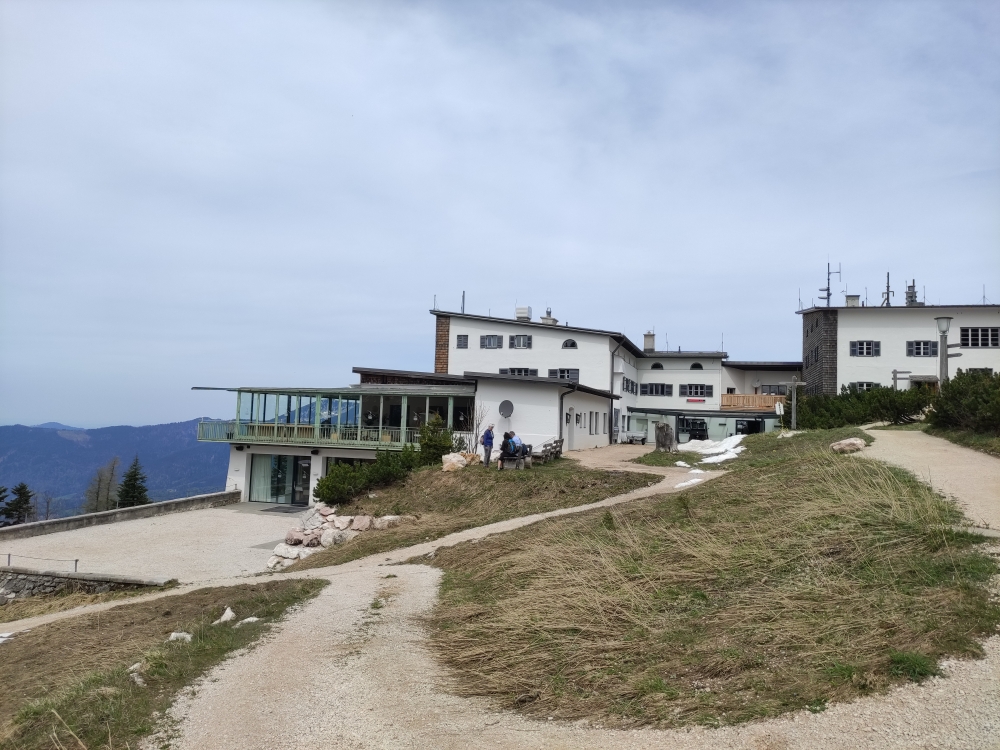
(971, 477)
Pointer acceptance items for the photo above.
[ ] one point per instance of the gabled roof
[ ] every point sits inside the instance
(620, 338)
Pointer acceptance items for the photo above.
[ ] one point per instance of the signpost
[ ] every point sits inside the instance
(895, 377)
(795, 384)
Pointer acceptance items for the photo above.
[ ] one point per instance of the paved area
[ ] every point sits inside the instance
(193, 546)
(970, 477)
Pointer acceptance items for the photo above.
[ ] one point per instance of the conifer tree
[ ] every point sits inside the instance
(132, 490)
(19, 509)
(102, 494)
(3, 499)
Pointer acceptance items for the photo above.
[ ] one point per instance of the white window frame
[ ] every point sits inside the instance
(972, 338)
(491, 341)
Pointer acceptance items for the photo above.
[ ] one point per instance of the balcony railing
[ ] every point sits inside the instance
(750, 401)
(393, 438)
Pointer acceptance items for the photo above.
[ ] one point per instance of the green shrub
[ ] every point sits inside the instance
(344, 482)
(853, 407)
(435, 441)
(969, 401)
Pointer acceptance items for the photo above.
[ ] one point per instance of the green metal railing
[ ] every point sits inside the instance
(393, 438)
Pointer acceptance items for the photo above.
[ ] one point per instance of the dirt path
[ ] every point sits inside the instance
(971, 477)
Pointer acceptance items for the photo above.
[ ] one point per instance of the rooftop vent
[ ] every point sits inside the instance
(522, 313)
(649, 341)
(911, 295)
(852, 300)
(547, 319)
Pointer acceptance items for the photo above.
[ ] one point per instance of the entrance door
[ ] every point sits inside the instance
(300, 480)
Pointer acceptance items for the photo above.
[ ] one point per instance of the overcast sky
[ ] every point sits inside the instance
(269, 193)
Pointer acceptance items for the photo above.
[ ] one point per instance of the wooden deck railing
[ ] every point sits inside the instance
(750, 401)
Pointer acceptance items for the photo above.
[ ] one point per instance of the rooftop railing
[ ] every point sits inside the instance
(392, 438)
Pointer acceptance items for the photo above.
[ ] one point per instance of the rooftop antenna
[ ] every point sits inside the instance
(886, 302)
(463, 303)
(866, 296)
(435, 302)
(826, 289)
(800, 298)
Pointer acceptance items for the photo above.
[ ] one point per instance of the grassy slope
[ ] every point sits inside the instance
(659, 458)
(798, 578)
(77, 667)
(447, 502)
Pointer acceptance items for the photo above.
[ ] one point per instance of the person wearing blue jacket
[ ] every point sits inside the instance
(487, 443)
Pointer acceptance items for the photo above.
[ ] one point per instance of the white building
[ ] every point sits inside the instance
(859, 346)
(546, 382)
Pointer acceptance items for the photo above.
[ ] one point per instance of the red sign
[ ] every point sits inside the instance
(696, 400)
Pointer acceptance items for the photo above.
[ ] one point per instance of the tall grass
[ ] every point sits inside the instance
(790, 582)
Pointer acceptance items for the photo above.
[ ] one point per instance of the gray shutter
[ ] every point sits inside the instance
(553, 373)
(533, 373)
(854, 348)
(669, 390)
(511, 342)
(504, 371)
(934, 349)
(482, 342)
(529, 342)
(852, 386)
(909, 348)
(644, 390)
(574, 375)
(683, 390)
(708, 390)
(876, 348)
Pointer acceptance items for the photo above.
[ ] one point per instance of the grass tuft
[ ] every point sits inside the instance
(913, 666)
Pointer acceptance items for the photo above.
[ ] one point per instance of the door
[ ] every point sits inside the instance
(300, 480)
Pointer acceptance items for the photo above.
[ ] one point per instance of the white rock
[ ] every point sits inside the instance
(185, 637)
(246, 621)
(274, 561)
(312, 520)
(226, 617)
(135, 667)
(386, 522)
(342, 522)
(137, 679)
(361, 523)
(286, 550)
(340, 537)
(327, 539)
(850, 445)
(682, 465)
(453, 462)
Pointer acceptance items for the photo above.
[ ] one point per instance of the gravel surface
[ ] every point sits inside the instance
(193, 546)
(970, 477)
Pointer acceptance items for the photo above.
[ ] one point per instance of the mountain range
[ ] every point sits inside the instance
(61, 460)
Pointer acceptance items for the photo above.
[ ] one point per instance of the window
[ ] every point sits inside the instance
(921, 348)
(462, 341)
(730, 391)
(565, 374)
(987, 371)
(816, 354)
(617, 415)
(491, 342)
(866, 348)
(774, 390)
(697, 366)
(604, 422)
(569, 344)
(656, 389)
(696, 389)
(629, 386)
(657, 366)
(864, 386)
(520, 342)
(980, 337)
(523, 372)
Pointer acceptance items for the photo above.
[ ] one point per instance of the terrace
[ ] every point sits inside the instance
(364, 416)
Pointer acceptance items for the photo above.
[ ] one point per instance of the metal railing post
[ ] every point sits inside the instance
(75, 564)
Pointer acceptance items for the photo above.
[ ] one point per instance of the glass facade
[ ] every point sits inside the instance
(279, 479)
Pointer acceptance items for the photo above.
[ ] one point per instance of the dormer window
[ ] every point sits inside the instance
(569, 344)
(657, 366)
(697, 366)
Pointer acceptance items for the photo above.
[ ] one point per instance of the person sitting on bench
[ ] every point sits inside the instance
(507, 450)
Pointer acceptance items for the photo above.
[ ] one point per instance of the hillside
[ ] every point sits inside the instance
(62, 462)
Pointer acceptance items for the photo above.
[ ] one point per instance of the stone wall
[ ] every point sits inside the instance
(197, 502)
(441, 343)
(20, 583)
(819, 336)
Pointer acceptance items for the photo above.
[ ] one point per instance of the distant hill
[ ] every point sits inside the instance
(56, 426)
(62, 461)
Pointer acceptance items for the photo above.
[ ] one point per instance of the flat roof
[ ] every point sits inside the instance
(409, 374)
(561, 382)
(621, 338)
(684, 355)
(898, 307)
(765, 366)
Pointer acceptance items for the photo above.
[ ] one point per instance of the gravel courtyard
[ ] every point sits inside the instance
(193, 547)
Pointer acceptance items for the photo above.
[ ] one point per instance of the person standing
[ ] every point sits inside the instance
(487, 442)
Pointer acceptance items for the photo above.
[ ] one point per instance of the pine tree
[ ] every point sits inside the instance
(19, 509)
(3, 499)
(132, 490)
(102, 494)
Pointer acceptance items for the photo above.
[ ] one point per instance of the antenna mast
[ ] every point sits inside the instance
(463, 303)
(886, 302)
(826, 289)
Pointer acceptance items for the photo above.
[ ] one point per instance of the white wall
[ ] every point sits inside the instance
(675, 372)
(591, 357)
(239, 462)
(237, 478)
(536, 409)
(893, 327)
(593, 429)
(743, 380)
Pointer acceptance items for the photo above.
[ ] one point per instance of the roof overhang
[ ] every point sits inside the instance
(764, 366)
(704, 413)
(556, 382)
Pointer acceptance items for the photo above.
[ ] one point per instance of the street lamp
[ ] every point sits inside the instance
(943, 324)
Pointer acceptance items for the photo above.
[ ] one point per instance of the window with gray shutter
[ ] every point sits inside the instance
(921, 348)
(520, 342)
(866, 348)
(491, 342)
(462, 341)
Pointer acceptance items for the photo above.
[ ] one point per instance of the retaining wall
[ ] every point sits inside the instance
(196, 502)
(19, 583)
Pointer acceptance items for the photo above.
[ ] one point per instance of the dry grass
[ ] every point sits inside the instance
(32, 606)
(799, 578)
(446, 502)
(983, 442)
(77, 666)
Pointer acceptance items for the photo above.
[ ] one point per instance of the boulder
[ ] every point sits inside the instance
(327, 539)
(850, 445)
(325, 510)
(287, 551)
(342, 522)
(361, 523)
(305, 552)
(312, 540)
(294, 536)
(312, 520)
(386, 522)
(453, 462)
(274, 561)
(184, 637)
(340, 537)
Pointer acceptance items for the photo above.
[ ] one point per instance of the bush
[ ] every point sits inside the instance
(969, 401)
(853, 407)
(344, 482)
(435, 441)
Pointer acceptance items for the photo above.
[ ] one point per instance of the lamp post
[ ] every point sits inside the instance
(795, 383)
(943, 324)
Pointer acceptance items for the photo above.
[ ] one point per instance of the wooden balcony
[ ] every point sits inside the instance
(750, 402)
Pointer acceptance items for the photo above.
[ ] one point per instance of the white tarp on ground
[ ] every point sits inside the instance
(716, 451)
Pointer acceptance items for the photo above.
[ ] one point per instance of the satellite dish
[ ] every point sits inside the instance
(506, 409)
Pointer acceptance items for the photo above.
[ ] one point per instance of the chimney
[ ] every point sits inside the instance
(649, 342)
(522, 313)
(547, 319)
(852, 300)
